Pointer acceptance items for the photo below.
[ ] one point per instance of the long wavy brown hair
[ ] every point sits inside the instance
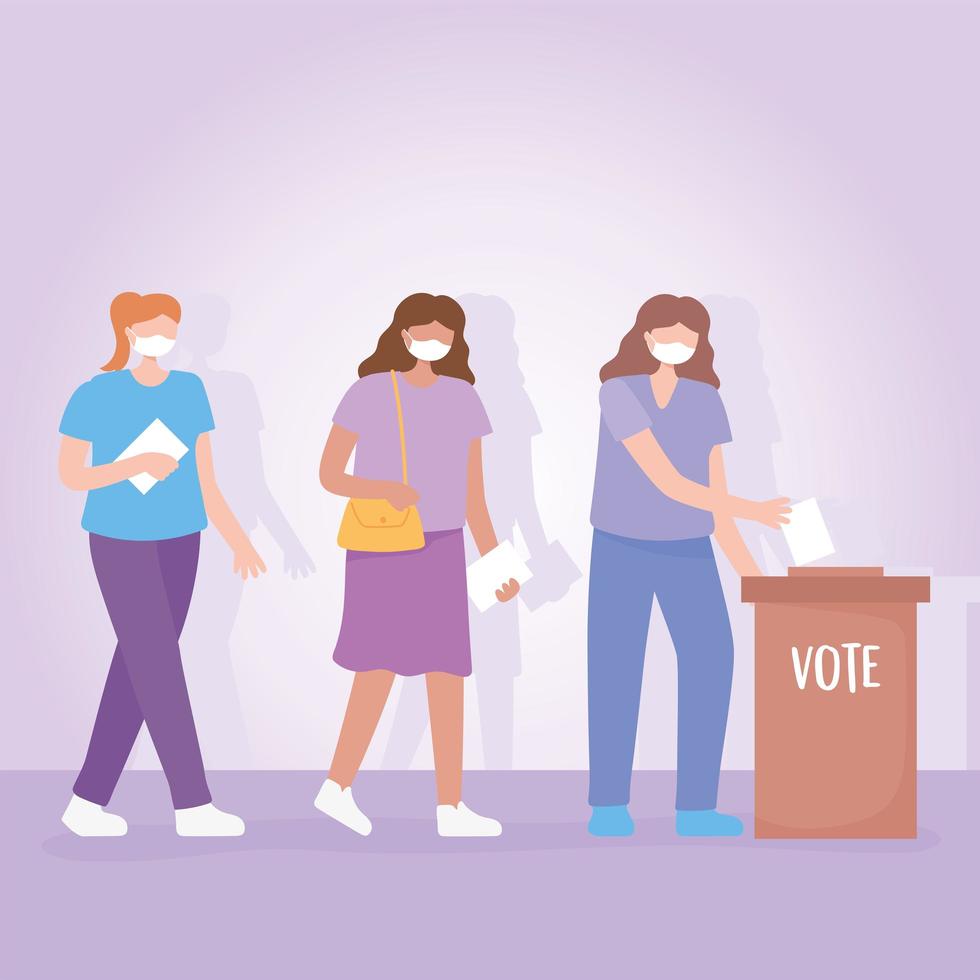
(665, 310)
(391, 352)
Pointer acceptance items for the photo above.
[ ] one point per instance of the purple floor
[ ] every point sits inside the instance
(298, 896)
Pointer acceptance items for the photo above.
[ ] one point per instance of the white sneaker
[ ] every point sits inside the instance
(339, 804)
(208, 821)
(461, 821)
(88, 819)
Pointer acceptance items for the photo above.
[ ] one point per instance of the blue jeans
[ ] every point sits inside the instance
(624, 577)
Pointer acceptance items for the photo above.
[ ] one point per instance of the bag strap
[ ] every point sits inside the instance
(401, 428)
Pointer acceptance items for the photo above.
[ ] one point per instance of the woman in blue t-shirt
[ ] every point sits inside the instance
(660, 492)
(151, 490)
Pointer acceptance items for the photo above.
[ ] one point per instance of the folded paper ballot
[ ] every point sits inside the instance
(489, 573)
(552, 573)
(155, 438)
(806, 534)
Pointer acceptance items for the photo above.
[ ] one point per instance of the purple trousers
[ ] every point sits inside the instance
(147, 588)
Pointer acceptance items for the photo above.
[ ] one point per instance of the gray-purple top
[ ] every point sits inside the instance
(625, 501)
(440, 423)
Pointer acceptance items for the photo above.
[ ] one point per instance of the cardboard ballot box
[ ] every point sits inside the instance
(835, 702)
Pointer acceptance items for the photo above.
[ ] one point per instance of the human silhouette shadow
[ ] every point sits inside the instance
(206, 643)
(509, 476)
(317, 835)
(749, 459)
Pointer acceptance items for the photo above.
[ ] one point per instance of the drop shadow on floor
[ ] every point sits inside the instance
(418, 836)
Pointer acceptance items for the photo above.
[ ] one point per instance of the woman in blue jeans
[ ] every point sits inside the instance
(660, 493)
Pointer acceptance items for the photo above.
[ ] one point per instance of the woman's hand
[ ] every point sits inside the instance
(508, 590)
(77, 476)
(247, 561)
(399, 495)
(772, 513)
(158, 465)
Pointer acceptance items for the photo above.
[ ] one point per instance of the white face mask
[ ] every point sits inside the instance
(428, 350)
(675, 353)
(155, 346)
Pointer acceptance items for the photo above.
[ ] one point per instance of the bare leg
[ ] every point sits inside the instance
(408, 726)
(367, 700)
(446, 722)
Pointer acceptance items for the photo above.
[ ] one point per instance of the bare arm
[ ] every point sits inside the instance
(334, 477)
(478, 516)
(76, 475)
(246, 558)
(651, 458)
(726, 532)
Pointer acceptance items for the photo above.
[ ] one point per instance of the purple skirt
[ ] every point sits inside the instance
(407, 611)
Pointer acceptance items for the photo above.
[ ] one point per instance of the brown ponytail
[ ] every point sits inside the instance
(129, 308)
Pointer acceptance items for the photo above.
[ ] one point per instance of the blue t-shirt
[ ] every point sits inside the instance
(625, 501)
(110, 411)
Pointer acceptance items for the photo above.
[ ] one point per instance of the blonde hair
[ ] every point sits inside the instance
(129, 308)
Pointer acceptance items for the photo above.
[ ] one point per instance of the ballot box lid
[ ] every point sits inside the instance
(830, 583)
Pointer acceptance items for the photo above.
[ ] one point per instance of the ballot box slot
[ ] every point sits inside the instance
(837, 571)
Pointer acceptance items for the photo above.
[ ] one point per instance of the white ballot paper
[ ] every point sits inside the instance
(806, 533)
(489, 573)
(155, 438)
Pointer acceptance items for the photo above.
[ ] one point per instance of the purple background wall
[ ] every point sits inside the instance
(291, 171)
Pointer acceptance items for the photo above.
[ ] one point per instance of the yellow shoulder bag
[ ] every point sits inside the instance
(372, 524)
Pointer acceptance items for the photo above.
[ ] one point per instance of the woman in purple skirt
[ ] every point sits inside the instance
(406, 612)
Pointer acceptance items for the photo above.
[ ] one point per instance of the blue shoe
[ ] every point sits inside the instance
(610, 821)
(707, 823)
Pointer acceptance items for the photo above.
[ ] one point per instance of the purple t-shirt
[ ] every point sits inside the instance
(625, 500)
(440, 423)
